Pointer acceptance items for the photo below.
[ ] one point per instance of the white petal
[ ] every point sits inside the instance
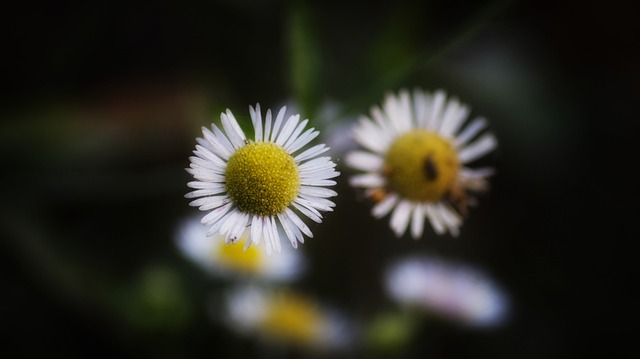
(217, 143)
(222, 143)
(298, 222)
(207, 155)
(267, 125)
(371, 137)
(364, 161)
(233, 218)
(215, 227)
(454, 117)
(316, 177)
(381, 209)
(311, 152)
(317, 191)
(314, 182)
(207, 203)
(477, 148)
(295, 229)
(204, 185)
(232, 129)
(205, 175)
(451, 219)
(204, 192)
(470, 131)
(322, 204)
(434, 218)
(287, 229)
(476, 173)
(417, 221)
(400, 217)
(295, 134)
(310, 212)
(275, 236)
(287, 130)
(216, 214)
(398, 111)
(256, 229)
(237, 229)
(206, 163)
(277, 124)
(316, 164)
(421, 102)
(256, 118)
(247, 244)
(369, 180)
(381, 123)
(435, 115)
(305, 138)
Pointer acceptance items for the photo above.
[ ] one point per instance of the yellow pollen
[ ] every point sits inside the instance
(234, 256)
(262, 179)
(421, 166)
(292, 317)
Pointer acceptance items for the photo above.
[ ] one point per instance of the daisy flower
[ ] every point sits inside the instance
(447, 289)
(218, 258)
(286, 317)
(415, 157)
(264, 183)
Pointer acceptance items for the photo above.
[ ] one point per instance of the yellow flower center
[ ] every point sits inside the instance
(262, 179)
(292, 317)
(234, 256)
(421, 166)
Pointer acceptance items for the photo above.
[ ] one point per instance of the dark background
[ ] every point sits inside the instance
(103, 101)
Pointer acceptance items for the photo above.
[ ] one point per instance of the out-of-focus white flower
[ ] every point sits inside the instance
(259, 183)
(285, 317)
(449, 290)
(218, 258)
(415, 157)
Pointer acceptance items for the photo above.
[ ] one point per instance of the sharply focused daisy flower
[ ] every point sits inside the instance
(232, 260)
(415, 160)
(449, 290)
(286, 317)
(259, 183)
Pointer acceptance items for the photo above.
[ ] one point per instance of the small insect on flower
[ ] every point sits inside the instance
(259, 183)
(414, 161)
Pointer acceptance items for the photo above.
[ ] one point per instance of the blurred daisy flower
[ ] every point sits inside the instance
(285, 317)
(446, 289)
(258, 183)
(414, 160)
(232, 260)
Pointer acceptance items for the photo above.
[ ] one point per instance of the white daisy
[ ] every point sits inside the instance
(218, 258)
(286, 317)
(259, 183)
(447, 289)
(415, 157)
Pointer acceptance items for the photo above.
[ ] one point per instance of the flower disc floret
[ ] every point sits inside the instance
(262, 179)
(421, 166)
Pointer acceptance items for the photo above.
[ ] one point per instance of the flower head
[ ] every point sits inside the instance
(415, 157)
(287, 317)
(220, 259)
(449, 290)
(259, 183)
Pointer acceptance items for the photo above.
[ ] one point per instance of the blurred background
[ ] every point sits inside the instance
(102, 104)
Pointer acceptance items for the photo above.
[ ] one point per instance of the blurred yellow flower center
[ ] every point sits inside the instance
(234, 255)
(421, 166)
(262, 179)
(294, 318)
